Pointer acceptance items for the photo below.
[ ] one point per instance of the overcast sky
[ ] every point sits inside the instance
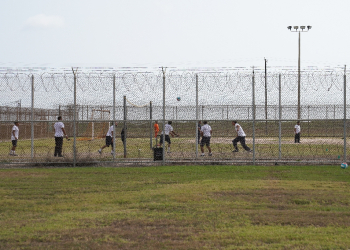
(173, 33)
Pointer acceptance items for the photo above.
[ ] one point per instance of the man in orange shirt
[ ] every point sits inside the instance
(156, 129)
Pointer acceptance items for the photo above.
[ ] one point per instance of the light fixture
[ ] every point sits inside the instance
(296, 29)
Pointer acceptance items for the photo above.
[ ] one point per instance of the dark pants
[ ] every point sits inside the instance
(167, 139)
(240, 139)
(297, 138)
(58, 147)
(205, 141)
(109, 141)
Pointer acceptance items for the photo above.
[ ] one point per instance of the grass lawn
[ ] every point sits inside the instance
(175, 207)
(326, 149)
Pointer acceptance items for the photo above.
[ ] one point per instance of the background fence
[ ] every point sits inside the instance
(264, 105)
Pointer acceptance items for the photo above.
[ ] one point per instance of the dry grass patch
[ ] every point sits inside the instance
(301, 207)
(123, 234)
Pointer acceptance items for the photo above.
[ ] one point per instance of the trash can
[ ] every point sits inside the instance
(157, 154)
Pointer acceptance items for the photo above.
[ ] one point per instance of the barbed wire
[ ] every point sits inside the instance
(183, 81)
(135, 105)
(213, 87)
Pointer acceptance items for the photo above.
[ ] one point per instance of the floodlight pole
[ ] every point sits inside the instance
(299, 30)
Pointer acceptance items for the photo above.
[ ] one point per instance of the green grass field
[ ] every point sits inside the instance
(175, 207)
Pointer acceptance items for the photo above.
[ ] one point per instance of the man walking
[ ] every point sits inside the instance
(14, 138)
(240, 138)
(297, 130)
(59, 133)
(109, 139)
(206, 132)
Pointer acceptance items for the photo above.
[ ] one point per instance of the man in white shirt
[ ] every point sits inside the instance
(14, 138)
(168, 131)
(240, 138)
(297, 130)
(109, 139)
(59, 133)
(206, 132)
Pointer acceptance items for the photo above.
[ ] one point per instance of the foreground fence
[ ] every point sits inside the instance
(321, 141)
(264, 105)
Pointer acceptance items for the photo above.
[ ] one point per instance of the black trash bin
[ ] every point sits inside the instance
(157, 154)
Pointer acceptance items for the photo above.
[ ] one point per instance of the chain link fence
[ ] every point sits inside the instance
(265, 106)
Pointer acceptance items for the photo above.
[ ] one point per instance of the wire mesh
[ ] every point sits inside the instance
(36, 100)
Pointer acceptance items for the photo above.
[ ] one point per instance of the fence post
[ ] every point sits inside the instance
(333, 119)
(202, 112)
(308, 120)
(253, 106)
(345, 124)
(266, 131)
(125, 128)
(150, 125)
(74, 120)
(32, 122)
(114, 128)
(163, 133)
(197, 116)
(279, 118)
